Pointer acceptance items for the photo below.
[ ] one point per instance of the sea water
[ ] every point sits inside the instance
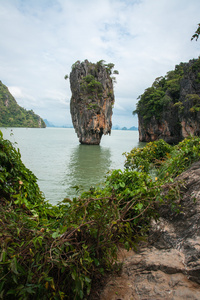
(60, 163)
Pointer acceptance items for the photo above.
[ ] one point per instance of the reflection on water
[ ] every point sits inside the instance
(87, 166)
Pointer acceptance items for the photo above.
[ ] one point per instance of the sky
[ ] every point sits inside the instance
(41, 39)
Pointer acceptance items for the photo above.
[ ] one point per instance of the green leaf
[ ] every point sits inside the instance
(88, 289)
(122, 184)
(1, 287)
(56, 234)
(13, 265)
(139, 206)
(3, 256)
(96, 261)
(74, 275)
(87, 279)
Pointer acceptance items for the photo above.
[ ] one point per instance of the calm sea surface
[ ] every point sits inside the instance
(55, 156)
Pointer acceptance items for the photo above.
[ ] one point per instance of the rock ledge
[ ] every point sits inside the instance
(168, 267)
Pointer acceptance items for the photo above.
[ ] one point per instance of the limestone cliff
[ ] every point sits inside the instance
(92, 100)
(168, 267)
(170, 109)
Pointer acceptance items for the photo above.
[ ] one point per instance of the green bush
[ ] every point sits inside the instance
(90, 84)
(15, 179)
(164, 90)
(57, 252)
(182, 156)
(142, 159)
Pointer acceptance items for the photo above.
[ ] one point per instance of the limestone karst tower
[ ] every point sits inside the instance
(92, 100)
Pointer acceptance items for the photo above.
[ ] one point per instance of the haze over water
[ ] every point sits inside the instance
(55, 156)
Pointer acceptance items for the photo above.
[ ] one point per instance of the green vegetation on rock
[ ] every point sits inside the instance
(90, 82)
(165, 91)
(170, 108)
(91, 85)
(13, 115)
(58, 252)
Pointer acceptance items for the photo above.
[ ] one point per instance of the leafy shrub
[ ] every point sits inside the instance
(173, 87)
(15, 179)
(91, 84)
(150, 103)
(157, 97)
(142, 159)
(182, 156)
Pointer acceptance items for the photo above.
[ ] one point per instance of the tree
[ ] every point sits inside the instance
(197, 33)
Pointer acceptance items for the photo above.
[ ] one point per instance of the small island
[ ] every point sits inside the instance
(92, 100)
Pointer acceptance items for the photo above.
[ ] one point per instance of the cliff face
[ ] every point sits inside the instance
(170, 109)
(168, 267)
(91, 102)
(13, 115)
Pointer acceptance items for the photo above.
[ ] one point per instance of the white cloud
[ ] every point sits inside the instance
(40, 41)
(25, 100)
(16, 91)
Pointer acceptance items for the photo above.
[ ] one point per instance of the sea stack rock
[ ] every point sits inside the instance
(92, 100)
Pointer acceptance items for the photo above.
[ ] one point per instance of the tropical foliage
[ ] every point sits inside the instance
(90, 82)
(142, 159)
(165, 90)
(13, 115)
(164, 94)
(57, 252)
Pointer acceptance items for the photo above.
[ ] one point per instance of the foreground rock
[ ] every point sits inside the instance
(92, 100)
(169, 266)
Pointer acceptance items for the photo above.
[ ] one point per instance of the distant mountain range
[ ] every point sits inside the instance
(115, 127)
(13, 115)
(50, 124)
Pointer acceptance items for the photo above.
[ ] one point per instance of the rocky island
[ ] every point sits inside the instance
(92, 100)
(170, 108)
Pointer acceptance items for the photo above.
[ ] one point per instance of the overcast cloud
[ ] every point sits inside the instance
(41, 39)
